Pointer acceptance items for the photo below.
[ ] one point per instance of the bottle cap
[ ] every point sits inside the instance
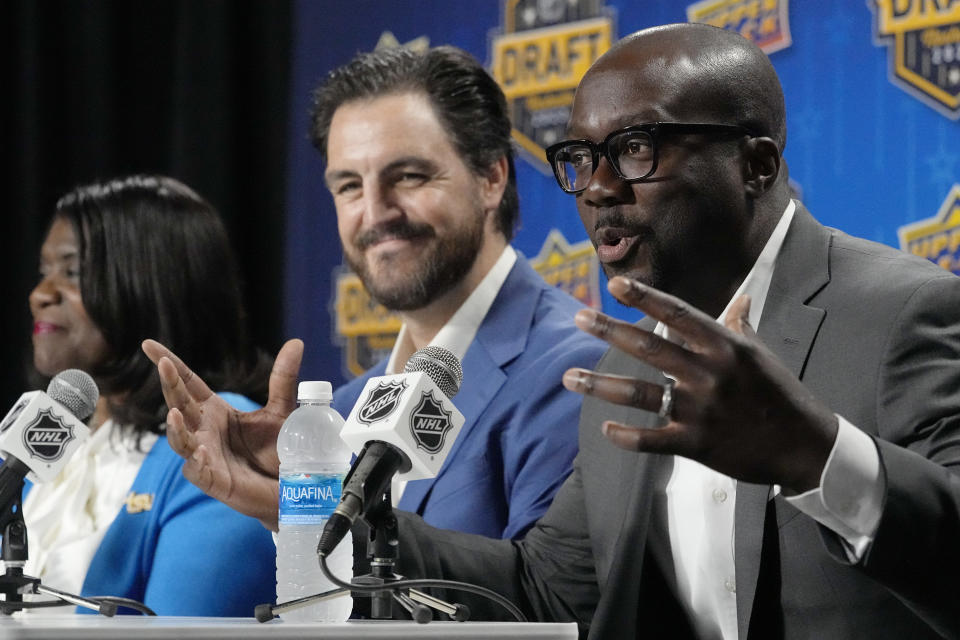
(314, 390)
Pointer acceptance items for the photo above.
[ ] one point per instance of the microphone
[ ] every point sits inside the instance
(42, 431)
(402, 423)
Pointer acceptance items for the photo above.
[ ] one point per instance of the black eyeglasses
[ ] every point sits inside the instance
(631, 151)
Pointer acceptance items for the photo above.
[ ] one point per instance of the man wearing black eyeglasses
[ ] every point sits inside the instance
(772, 452)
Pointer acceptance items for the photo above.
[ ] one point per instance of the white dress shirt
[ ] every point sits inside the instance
(701, 502)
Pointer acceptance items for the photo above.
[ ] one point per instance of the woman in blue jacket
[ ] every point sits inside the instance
(126, 259)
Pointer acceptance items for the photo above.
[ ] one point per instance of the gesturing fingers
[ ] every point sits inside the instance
(661, 399)
(282, 393)
(192, 383)
(197, 470)
(179, 437)
(669, 439)
(154, 350)
(174, 390)
(698, 330)
(644, 345)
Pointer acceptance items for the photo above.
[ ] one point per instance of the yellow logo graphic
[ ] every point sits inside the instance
(924, 41)
(765, 22)
(938, 238)
(138, 502)
(544, 50)
(367, 328)
(572, 267)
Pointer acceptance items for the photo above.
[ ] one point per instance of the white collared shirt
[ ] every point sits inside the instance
(459, 331)
(701, 502)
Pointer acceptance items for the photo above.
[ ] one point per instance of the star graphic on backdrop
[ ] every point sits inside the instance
(389, 41)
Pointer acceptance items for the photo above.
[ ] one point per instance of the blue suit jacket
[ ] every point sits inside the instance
(179, 551)
(520, 435)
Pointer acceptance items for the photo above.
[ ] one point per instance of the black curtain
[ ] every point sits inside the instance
(195, 89)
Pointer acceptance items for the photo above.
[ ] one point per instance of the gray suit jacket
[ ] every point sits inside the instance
(875, 334)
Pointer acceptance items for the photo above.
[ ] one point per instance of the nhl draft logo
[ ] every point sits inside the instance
(47, 436)
(430, 423)
(765, 22)
(938, 238)
(382, 401)
(923, 37)
(539, 58)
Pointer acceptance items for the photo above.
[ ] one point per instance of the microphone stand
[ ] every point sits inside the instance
(384, 540)
(13, 549)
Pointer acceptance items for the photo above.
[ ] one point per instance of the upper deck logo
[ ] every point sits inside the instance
(47, 436)
(429, 423)
(924, 41)
(764, 22)
(382, 401)
(938, 238)
(573, 268)
(539, 58)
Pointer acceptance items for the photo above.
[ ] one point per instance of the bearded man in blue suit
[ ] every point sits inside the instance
(419, 163)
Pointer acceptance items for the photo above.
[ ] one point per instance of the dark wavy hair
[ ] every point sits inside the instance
(466, 99)
(156, 262)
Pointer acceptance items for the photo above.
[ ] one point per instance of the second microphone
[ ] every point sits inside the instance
(403, 423)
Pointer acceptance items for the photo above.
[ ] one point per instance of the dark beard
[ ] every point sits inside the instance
(444, 265)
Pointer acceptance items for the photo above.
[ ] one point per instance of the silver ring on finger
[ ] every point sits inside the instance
(666, 400)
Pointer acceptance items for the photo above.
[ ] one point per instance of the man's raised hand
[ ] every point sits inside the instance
(230, 455)
(734, 407)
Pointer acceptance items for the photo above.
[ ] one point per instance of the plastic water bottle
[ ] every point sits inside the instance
(313, 462)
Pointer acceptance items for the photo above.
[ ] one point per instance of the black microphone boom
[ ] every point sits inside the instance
(366, 483)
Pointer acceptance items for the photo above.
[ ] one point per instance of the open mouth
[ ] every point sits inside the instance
(614, 243)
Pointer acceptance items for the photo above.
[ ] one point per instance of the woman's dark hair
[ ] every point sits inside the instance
(467, 101)
(156, 262)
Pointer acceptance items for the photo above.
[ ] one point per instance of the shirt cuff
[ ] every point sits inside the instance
(850, 496)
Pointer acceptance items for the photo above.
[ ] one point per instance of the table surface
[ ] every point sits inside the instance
(74, 626)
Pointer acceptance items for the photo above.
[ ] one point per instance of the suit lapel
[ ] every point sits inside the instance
(788, 327)
(622, 608)
(501, 337)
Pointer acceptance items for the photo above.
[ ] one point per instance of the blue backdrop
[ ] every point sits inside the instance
(869, 153)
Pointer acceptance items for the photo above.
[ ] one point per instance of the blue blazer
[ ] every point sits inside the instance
(179, 551)
(520, 435)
